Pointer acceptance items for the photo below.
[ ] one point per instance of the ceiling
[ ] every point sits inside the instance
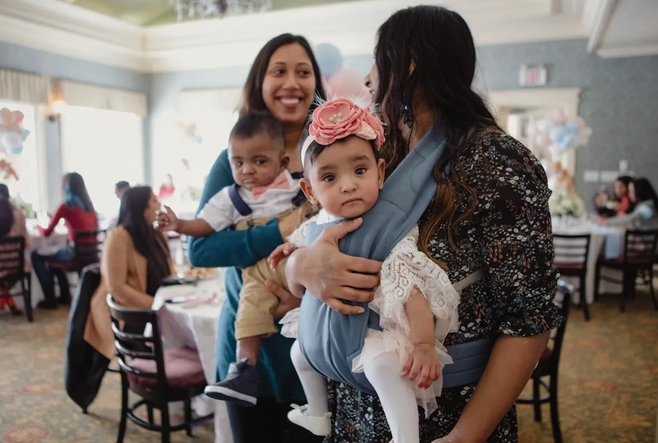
(158, 12)
(140, 34)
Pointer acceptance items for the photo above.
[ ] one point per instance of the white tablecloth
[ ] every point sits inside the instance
(601, 236)
(196, 327)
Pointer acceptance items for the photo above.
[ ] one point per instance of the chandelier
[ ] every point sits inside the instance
(188, 9)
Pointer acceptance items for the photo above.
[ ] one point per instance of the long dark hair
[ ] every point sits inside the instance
(644, 191)
(439, 44)
(6, 216)
(4, 191)
(252, 93)
(149, 242)
(75, 192)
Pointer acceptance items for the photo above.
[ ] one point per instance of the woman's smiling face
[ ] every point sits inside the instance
(289, 84)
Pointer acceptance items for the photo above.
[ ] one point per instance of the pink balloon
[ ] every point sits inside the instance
(347, 83)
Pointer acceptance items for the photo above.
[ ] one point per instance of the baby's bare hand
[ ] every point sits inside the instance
(423, 365)
(279, 254)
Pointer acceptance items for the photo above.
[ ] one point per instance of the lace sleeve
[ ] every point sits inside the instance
(298, 236)
(405, 268)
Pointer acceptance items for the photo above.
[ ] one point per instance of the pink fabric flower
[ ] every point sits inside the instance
(337, 119)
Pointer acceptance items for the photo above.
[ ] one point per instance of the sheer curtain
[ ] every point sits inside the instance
(104, 147)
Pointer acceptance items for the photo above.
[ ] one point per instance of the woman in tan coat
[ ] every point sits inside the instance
(134, 262)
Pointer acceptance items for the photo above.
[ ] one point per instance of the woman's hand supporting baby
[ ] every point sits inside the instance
(330, 275)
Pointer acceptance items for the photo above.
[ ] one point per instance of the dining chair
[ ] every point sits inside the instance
(545, 374)
(157, 375)
(638, 259)
(87, 247)
(12, 272)
(571, 259)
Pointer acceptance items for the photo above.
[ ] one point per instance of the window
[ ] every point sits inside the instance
(104, 147)
(201, 125)
(31, 181)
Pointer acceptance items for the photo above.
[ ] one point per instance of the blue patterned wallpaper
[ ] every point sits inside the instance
(619, 101)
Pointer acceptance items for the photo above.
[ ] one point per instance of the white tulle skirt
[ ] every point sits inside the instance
(392, 341)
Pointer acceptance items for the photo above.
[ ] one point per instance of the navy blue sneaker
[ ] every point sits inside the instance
(240, 385)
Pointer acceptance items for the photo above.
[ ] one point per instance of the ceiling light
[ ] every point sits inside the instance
(190, 9)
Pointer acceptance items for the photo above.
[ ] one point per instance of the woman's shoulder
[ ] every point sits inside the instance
(118, 234)
(492, 144)
(496, 149)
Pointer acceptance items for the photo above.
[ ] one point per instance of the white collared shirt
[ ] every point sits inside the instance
(220, 213)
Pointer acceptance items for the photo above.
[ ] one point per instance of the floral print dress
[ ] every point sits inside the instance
(509, 237)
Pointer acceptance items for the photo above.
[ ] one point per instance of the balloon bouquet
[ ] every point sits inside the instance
(558, 135)
(339, 81)
(12, 136)
(561, 134)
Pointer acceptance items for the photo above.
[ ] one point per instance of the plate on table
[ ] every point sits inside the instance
(201, 273)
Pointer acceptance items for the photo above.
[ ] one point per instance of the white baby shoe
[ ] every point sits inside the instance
(320, 426)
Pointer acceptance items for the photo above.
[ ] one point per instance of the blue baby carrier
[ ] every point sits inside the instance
(329, 340)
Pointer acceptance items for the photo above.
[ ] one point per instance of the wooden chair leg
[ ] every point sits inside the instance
(27, 296)
(597, 281)
(164, 421)
(536, 397)
(149, 411)
(652, 291)
(124, 408)
(555, 417)
(625, 290)
(188, 417)
(583, 296)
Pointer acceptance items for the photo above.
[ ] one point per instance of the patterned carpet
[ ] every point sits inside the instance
(608, 383)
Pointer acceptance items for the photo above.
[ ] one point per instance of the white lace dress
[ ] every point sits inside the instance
(405, 268)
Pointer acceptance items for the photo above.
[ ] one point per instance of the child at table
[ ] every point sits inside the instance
(263, 190)
(343, 175)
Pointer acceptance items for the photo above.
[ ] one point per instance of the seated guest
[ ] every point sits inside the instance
(78, 212)
(621, 204)
(135, 261)
(12, 224)
(119, 189)
(645, 202)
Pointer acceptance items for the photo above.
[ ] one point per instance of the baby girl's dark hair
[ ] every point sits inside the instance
(251, 125)
(315, 149)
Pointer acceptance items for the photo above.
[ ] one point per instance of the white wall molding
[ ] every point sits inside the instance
(60, 28)
(65, 29)
(628, 51)
(599, 14)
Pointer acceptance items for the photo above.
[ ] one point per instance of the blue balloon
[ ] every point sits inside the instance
(564, 137)
(16, 150)
(329, 58)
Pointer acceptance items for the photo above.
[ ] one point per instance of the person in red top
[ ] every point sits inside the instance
(78, 213)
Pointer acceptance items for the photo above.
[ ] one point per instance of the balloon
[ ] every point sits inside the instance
(348, 83)
(12, 141)
(329, 58)
(11, 120)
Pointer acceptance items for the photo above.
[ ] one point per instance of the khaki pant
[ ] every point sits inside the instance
(257, 303)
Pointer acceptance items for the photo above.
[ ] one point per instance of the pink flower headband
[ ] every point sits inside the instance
(340, 118)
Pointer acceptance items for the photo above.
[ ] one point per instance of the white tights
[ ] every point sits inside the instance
(395, 392)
